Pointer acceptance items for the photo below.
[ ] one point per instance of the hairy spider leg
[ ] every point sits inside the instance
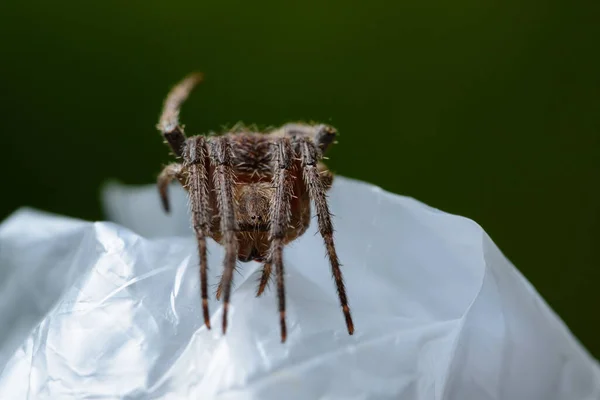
(169, 120)
(309, 153)
(221, 156)
(168, 174)
(196, 163)
(280, 217)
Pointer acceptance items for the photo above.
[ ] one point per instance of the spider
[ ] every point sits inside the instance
(251, 193)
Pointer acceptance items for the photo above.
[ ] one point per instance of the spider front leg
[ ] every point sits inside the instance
(221, 158)
(169, 120)
(280, 219)
(168, 174)
(195, 157)
(309, 154)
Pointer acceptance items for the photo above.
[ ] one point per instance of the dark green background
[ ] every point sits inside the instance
(487, 109)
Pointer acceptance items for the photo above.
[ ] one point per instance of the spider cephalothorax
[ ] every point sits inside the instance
(251, 192)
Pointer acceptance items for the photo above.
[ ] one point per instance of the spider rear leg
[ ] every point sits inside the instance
(221, 157)
(309, 153)
(195, 157)
(169, 120)
(168, 174)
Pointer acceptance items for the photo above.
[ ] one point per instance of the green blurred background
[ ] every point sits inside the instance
(487, 109)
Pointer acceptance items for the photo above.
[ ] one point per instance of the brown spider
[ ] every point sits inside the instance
(258, 199)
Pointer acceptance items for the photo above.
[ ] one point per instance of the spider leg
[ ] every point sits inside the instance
(168, 174)
(221, 157)
(264, 278)
(169, 119)
(280, 218)
(310, 154)
(195, 162)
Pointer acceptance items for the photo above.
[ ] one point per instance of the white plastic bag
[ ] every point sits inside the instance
(107, 311)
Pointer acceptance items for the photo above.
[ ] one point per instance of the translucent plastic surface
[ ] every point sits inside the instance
(108, 311)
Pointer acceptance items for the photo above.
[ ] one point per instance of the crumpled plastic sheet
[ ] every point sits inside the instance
(112, 311)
